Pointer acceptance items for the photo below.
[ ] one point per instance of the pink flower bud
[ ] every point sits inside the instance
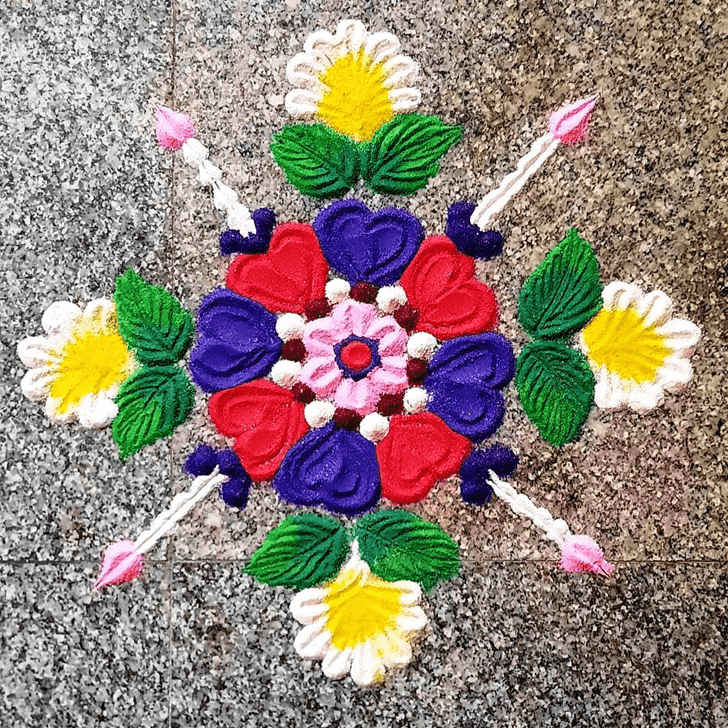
(173, 128)
(581, 553)
(569, 123)
(121, 563)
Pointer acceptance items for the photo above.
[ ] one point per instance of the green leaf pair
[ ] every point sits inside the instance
(308, 549)
(555, 383)
(159, 396)
(400, 158)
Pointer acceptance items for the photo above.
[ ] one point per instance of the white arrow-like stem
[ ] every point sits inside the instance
(497, 199)
(180, 506)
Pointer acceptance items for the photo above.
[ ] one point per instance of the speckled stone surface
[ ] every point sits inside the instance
(512, 643)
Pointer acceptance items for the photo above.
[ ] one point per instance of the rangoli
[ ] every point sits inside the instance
(353, 361)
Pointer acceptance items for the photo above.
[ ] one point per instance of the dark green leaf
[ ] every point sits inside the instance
(400, 545)
(151, 321)
(317, 161)
(564, 292)
(152, 403)
(304, 551)
(405, 153)
(556, 388)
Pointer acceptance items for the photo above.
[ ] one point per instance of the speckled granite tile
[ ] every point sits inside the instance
(73, 657)
(509, 645)
(647, 190)
(84, 195)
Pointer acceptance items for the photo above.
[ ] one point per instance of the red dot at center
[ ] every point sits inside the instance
(356, 355)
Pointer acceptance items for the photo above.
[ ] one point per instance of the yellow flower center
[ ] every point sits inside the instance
(356, 102)
(92, 360)
(621, 342)
(361, 607)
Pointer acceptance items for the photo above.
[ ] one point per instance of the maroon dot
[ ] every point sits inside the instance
(407, 317)
(347, 418)
(317, 309)
(303, 393)
(356, 355)
(293, 349)
(391, 404)
(364, 293)
(416, 370)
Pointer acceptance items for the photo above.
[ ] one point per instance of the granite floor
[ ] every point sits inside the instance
(512, 641)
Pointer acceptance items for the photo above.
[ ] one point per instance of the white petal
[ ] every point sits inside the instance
(321, 46)
(646, 397)
(398, 651)
(674, 374)
(313, 642)
(619, 295)
(303, 71)
(412, 619)
(337, 290)
(380, 47)
(100, 309)
(655, 308)
(308, 605)
(415, 400)
(60, 316)
(54, 414)
(411, 592)
(404, 99)
(39, 351)
(351, 34)
(336, 663)
(374, 427)
(609, 392)
(318, 413)
(366, 667)
(680, 335)
(36, 383)
(399, 72)
(285, 373)
(301, 102)
(96, 411)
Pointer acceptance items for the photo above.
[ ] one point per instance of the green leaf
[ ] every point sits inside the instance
(563, 293)
(152, 403)
(151, 321)
(556, 387)
(304, 551)
(316, 160)
(404, 153)
(400, 545)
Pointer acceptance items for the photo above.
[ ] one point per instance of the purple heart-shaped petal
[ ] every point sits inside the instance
(463, 379)
(332, 467)
(238, 342)
(362, 245)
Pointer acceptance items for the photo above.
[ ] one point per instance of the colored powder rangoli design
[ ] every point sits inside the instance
(354, 361)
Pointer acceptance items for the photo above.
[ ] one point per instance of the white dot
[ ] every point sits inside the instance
(285, 372)
(390, 298)
(337, 290)
(421, 345)
(290, 326)
(415, 400)
(318, 413)
(374, 427)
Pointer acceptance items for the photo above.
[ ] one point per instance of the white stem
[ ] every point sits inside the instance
(180, 506)
(556, 529)
(194, 152)
(497, 199)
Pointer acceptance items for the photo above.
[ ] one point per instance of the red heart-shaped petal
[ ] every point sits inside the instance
(265, 420)
(291, 274)
(440, 283)
(418, 451)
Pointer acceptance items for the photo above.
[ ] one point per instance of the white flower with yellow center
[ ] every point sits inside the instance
(78, 367)
(354, 81)
(636, 350)
(358, 623)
